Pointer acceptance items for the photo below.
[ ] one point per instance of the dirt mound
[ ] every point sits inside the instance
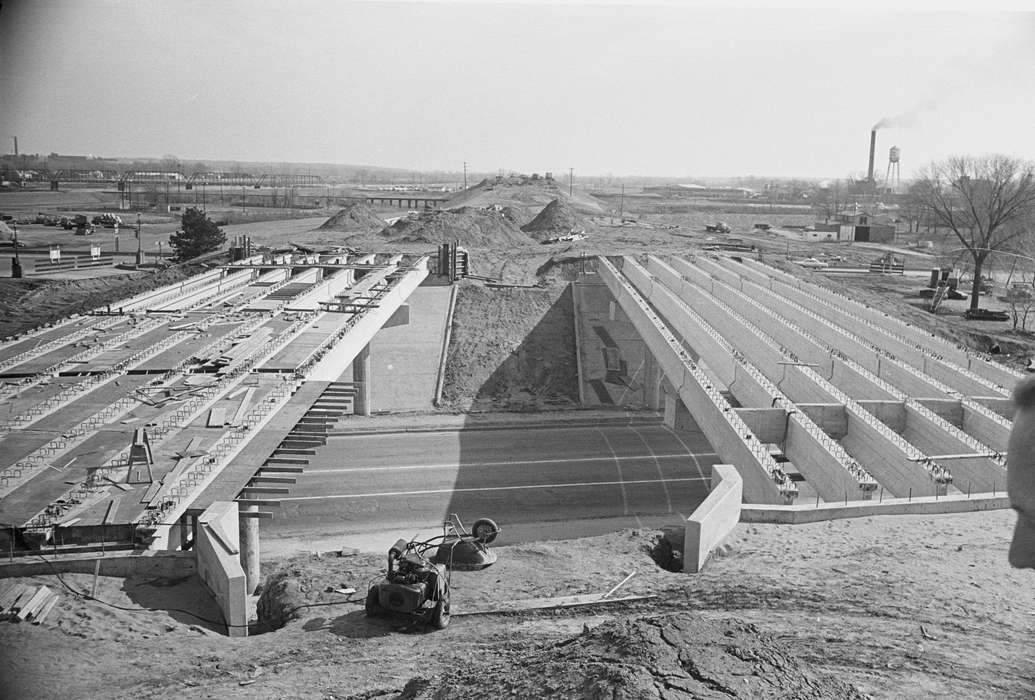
(556, 218)
(511, 349)
(678, 655)
(525, 196)
(358, 216)
(490, 228)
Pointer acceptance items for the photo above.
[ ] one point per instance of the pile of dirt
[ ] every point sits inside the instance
(356, 217)
(676, 655)
(511, 349)
(486, 227)
(556, 218)
(525, 196)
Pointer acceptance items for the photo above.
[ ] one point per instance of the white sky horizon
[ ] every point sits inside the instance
(668, 89)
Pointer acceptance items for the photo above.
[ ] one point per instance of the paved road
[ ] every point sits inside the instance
(520, 477)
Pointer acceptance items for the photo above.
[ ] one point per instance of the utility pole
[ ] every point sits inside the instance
(465, 174)
(16, 264)
(140, 250)
(571, 179)
(621, 206)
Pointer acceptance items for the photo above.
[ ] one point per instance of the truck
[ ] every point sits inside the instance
(83, 227)
(719, 227)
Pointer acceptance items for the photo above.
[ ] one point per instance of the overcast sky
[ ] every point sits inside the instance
(675, 89)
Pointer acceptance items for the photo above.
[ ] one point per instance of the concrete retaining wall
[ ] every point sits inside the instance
(219, 565)
(715, 518)
(163, 564)
(798, 515)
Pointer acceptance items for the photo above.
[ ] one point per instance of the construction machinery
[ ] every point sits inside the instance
(417, 582)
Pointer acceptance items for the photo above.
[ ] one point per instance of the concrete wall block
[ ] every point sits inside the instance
(949, 410)
(832, 418)
(219, 565)
(823, 471)
(984, 428)
(768, 424)
(714, 519)
(890, 413)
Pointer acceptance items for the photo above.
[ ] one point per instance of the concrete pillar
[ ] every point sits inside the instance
(185, 531)
(249, 534)
(653, 379)
(677, 416)
(670, 409)
(361, 378)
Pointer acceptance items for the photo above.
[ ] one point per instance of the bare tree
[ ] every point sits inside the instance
(832, 201)
(987, 202)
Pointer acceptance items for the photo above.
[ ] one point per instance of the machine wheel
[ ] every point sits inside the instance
(485, 530)
(440, 614)
(373, 603)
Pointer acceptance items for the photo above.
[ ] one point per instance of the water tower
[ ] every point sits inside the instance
(893, 172)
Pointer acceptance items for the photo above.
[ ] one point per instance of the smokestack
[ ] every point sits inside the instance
(15, 146)
(873, 147)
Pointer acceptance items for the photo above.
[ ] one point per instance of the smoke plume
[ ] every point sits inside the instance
(906, 119)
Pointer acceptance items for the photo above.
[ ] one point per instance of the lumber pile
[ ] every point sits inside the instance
(20, 602)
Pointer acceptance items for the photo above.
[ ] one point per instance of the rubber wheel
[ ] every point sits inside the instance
(373, 604)
(485, 530)
(440, 615)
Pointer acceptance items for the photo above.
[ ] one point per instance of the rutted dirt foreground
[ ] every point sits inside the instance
(894, 606)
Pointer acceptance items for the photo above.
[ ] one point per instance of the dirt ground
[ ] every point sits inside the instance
(892, 606)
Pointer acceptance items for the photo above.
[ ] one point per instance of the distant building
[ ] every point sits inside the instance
(692, 190)
(860, 227)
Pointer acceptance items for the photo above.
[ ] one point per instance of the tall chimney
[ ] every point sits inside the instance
(15, 146)
(873, 147)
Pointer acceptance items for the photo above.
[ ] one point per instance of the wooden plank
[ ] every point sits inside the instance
(264, 478)
(45, 610)
(258, 502)
(242, 410)
(121, 487)
(43, 595)
(96, 572)
(216, 418)
(12, 594)
(281, 469)
(265, 489)
(113, 508)
(22, 599)
(29, 605)
(151, 491)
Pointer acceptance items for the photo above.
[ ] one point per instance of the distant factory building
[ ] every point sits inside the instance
(691, 190)
(862, 228)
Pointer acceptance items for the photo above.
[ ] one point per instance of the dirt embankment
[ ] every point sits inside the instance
(512, 349)
(29, 303)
